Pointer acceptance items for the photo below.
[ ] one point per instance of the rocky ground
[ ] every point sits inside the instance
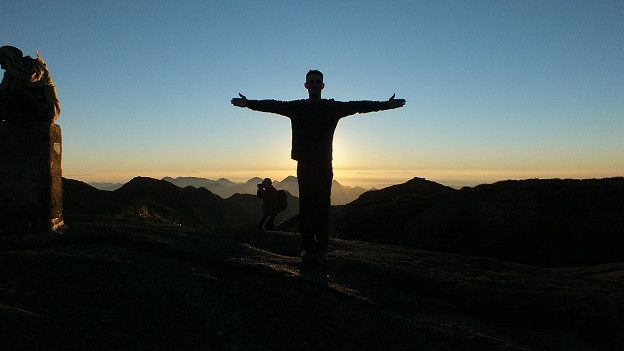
(131, 285)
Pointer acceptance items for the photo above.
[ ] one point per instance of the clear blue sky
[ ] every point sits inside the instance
(494, 89)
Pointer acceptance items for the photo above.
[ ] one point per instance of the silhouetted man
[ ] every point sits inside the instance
(313, 123)
(27, 92)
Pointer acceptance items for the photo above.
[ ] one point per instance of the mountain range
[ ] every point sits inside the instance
(225, 188)
(549, 222)
(163, 202)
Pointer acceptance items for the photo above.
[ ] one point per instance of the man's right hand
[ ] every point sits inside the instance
(240, 102)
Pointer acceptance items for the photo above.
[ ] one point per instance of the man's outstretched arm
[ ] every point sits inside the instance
(273, 106)
(352, 107)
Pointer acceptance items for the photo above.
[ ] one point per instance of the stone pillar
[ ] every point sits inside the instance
(31, 193)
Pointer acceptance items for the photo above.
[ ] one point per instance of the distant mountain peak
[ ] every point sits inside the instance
(414, 186)
(140, 184)
(188, 179)
(224, 183)
(422, 182)
(143, 180)
(254, 180)
(289, 179)
(105, 185)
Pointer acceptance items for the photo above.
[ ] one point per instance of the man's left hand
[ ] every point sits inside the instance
(396, 103)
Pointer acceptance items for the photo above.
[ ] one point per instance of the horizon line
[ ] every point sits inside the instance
(371, 178)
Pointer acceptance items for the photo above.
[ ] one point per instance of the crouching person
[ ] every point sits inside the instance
(270, 204)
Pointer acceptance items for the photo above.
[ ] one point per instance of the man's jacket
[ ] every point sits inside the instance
(313, 122)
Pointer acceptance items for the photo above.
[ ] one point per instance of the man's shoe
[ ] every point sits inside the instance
(321, 257)
(307, 256)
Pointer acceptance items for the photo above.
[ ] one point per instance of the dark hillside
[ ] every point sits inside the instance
(381, 215)
(80, 199)
(121, 285)
(551, 222)
(193, 207)
(416, 187)
(156, 201)
(545, 222)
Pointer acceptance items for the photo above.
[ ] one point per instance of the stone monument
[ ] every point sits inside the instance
(31, 195)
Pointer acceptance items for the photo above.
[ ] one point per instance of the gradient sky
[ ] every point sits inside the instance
(494, 89)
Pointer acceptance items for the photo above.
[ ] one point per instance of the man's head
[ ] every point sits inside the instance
(314, 83)
(7, 52)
